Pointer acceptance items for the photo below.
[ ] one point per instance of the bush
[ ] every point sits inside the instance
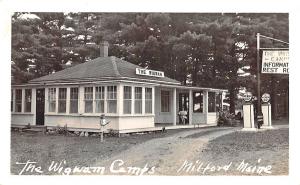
(60, 130)
(226, 119)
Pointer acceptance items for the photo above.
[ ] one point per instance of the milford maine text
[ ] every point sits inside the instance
(207, 168)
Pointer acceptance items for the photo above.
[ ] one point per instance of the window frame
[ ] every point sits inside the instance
(219, 102)
(100, 98)
(214, 102)
(149, 100)
(71, 99)
(26, 102)
(62, 98)
(52, 99)
(112, 96)
(18, 102)
(127, 99)
(138, 100)
(198, 101)
(88, 97)
(165, 100)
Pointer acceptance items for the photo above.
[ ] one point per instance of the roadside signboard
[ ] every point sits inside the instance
(275, 62)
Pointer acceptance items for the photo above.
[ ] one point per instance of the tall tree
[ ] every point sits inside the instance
(212, 50)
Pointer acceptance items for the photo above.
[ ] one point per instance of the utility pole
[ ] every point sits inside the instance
(258, 48)
(259, 113)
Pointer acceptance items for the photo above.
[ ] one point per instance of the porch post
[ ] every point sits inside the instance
(23, 101)
(46, 100)
(174, 107)
(153, 100)
(56, 99)
(143, 100)
(190, 107)
(119, 99)
(105, 99)
(94, 97)
(205, 106)
(33, 105)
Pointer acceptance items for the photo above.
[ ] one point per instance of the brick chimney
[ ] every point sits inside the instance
(104, 49)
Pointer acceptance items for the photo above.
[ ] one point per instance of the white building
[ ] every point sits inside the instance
(132, 98)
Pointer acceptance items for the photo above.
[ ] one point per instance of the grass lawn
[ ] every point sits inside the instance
(271, 146)
(80, 151)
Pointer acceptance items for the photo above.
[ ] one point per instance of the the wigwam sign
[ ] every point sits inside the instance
(147, 72)
(275, 62)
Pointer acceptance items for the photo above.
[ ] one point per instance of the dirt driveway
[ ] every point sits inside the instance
(165, 155)
(209, 151)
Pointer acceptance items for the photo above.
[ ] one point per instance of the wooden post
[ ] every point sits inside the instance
(190, 107)
(258, 113)
(101, 130)
(174, 107)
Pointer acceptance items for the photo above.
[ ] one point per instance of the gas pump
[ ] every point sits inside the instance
(266, 111)
(248, 112)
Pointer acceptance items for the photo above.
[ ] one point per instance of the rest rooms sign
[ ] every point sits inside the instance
(275, 62)
(147, 72)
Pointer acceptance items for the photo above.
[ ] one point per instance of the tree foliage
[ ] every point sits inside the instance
(208, 49)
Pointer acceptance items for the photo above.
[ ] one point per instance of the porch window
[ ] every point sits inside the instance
(127, 100)
(198, 101)
(211, 102)
(18, 101)
(219, 102)
(138, 100)
(111, 99)
(88, 99)
(148, 100)
(165, 101)
(28, 97)
(52, 99)
(74, 100)
(62, 97)
(99, 99)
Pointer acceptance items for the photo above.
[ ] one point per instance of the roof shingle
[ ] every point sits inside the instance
(98, 68)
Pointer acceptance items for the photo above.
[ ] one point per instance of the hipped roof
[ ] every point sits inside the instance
(101, 68)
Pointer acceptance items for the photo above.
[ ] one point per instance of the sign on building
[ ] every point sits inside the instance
(275, 62)
(147, 72)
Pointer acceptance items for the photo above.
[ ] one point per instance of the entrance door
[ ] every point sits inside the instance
(40, 106)
(184, 104)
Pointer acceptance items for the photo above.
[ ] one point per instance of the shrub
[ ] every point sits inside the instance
(61, 130)
(226, 119)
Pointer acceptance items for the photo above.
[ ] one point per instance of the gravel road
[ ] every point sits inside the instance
(165, 155)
